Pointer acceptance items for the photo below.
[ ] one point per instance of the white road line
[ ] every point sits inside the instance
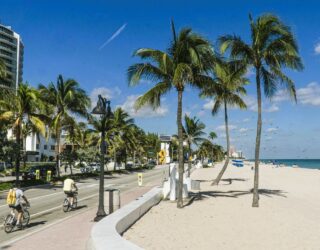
(60, 193)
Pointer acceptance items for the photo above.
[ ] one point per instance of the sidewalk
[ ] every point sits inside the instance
(73, 232)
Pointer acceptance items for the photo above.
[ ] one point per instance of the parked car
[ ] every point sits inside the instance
(92, 167)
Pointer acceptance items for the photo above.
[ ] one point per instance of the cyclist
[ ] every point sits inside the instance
(19, 195)
(70, 188)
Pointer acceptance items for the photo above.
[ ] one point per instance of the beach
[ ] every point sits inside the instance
(221, 217)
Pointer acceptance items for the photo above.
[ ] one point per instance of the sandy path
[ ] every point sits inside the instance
(288, 216)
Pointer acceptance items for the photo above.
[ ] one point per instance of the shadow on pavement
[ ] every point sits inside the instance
(5, 247)
(37, 223)
(80, 207)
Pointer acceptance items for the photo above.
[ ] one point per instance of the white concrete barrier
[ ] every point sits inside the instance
(106, 234)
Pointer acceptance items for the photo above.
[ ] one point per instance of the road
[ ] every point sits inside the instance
(46, 201)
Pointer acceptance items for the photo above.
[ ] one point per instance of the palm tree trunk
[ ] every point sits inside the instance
(134, 159)
(217, 180)
(24, 151)
(73, 153)
(189, 160)
(115, 160)
(58, 152)
(180, 155)
(18, 134)
(255, 201)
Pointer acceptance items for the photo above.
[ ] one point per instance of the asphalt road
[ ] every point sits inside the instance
(46, 201)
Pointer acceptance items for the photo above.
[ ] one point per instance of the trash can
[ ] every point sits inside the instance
(114, 199)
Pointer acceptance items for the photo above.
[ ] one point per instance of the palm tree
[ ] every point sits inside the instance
(22, 109)
(66, 98)
(188, 55)
(226, 88)
(272, 48)
(212, 135)
(193, 134)
(122, 125)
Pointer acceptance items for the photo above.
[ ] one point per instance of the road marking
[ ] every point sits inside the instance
(60, 193)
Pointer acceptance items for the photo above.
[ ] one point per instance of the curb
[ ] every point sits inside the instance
(106, 234)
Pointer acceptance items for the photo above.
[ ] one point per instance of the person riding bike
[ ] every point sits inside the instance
(14, 200)
(70, 189)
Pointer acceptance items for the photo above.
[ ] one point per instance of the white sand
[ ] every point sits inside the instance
(288, 216)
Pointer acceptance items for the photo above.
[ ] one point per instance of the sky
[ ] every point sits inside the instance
(93, 42)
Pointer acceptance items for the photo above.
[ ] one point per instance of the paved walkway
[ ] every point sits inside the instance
(71, 233)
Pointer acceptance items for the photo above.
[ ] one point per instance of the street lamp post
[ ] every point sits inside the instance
(104, 111)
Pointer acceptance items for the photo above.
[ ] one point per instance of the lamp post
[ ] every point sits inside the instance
(104, 111)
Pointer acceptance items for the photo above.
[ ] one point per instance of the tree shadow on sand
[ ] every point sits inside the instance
(229, 180)
(231, 194)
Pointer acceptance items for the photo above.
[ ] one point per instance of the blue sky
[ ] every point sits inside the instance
(79, 39)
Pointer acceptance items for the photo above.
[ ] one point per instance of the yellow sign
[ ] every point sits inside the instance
(162, 157)
(37, 174)
(140, 180)
(48, 176)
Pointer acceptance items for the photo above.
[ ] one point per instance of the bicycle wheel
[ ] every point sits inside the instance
(65, 205)
(9, 223)
(26, 218)
(75, 202)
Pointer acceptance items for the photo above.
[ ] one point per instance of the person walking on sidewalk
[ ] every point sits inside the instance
(70, 188)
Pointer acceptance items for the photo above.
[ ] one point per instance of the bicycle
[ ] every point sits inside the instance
(10, 221)
(66, 206)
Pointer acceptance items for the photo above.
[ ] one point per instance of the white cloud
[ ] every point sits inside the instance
(272, 108)
(246, 120)
(223, 127)
(201, 113)
(104, 92)
(208, 105)
(310, 95)
(145, 111)
(250, 72)
(281, 95)
(251, 103)
(271, 130)
(317, 48)
(243, 130)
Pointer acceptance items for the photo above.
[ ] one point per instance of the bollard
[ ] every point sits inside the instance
(140, 180)
(48, 176)
(114, 200)
(37, 174)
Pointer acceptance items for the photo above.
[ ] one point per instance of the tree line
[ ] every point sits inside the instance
(218, 72)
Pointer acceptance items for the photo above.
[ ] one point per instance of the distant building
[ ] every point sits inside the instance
(39, 148)
(11, 52)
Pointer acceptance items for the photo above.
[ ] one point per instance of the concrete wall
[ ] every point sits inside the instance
(106, 234)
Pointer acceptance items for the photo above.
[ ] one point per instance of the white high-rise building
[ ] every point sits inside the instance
(11, 52)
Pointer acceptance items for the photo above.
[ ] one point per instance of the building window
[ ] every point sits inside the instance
(37, 146)
(45, 147)
(53, 147)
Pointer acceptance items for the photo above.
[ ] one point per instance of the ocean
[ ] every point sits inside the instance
(302, 163)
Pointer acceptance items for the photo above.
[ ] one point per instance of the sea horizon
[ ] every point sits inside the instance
(302, 163)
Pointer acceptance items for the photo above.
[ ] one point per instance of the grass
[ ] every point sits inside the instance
(23, 183)
(76, 177)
